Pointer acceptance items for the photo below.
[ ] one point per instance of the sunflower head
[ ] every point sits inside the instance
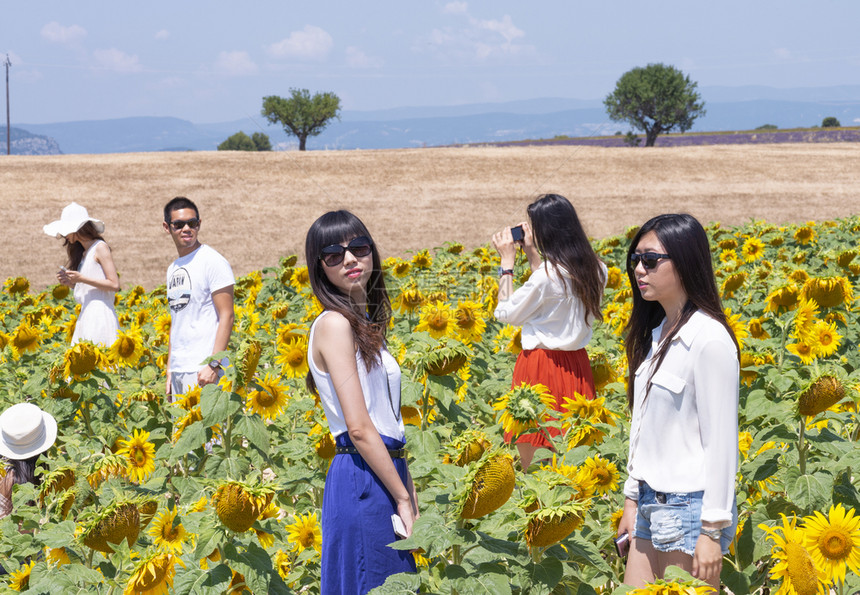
(828, 291)
(153, 574)
(247, 358)
(168, 533)
(268, 399)
(238, 504)
(489, 486)
(834, 541)
(821, 394)
(467, 448)
(550, 524)
(523, 407)
(60, 292)
(305, 533)
(139, 455)
(81, 359)
(120, 520)
(128, 348)
(794, 565)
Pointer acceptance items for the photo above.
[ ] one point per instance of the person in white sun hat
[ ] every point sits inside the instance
(25, 432)
(90, 271)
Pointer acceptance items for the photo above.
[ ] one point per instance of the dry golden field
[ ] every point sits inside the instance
(256, 207)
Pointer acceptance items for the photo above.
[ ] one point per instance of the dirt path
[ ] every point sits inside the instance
(256, 207)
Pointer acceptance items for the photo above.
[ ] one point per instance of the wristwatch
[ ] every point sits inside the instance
(214, 364)
(503, 272)
(714, 534)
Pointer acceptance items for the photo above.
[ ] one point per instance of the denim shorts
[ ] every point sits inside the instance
(673, 521)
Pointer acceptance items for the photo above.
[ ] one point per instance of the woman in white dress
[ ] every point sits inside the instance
(91, 273)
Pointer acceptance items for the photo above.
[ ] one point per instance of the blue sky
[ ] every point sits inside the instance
(213, 61)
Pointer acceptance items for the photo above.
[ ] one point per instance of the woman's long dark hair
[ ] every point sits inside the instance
(24, 471)
(368, 328)
(559, 237)
(685, 241)
(75, 250)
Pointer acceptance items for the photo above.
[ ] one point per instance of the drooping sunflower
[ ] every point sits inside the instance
(305, 533)
(139, 454)
(834, 541)
(24, 338)
(753, 249)
(604, 472)
(821, 394)
(17, 285)
(828, 291)
(247, 359)
(732, 283)
(81, 359)
(523, 407)
(293, 357)
(757, 329)
(128, 347)
(168, 533)
(408, 300)
(794, 564)
(153, 575)
(783, 297)
(269, 399)
(804, 234)
(469, 321)
(20, 579)
(437, 319)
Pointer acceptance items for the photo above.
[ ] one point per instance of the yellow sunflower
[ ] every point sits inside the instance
(17, 285)
(728, 255)
(804, 351)
(834, 541)
(269, 399)
(272, 511)
(422, 260)
(804, 319)
(293, 357)
(782, 297)
(825, 338)
(437, 319)
(737, 325)
(828, 291)
(399, 267)
(752, 250)
(81, 359)
(168, 533)
(300, 278)
(20, 579)
(469, 319)
(153, 575)
(804, 235)
(604, 473)
(509, 339)
(661, 587)
(794, 564)
(523, 407)
(139, 454)
(305, 533)
(24, 338)
(614, 278)
(757, 329)
(283, 564)
(408, 300)
(128, 347)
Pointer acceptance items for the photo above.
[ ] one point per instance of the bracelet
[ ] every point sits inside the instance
(503, 272)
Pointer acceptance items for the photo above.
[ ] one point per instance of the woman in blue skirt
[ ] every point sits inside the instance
(358, 382)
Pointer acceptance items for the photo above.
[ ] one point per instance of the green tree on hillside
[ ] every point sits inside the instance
(302, 115)
(655, 99)
(238, 142)
(830, 122)
(261, 141)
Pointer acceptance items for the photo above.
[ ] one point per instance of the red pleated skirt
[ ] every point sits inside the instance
(562, 372)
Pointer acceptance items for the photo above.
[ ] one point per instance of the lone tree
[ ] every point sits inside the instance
(830, 122)
(302, 115)
(655, 99)
(238, 142)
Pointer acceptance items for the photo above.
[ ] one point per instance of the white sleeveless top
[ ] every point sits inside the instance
(381, 388)
(97, 321)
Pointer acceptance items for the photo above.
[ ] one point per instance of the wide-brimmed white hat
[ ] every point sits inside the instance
(74, 217)
(25, 431)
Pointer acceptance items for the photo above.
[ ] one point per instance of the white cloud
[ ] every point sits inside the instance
(57, 33)
(505, 28)
(358, 59)
(163, 34)
(783, 53)
(309, 43)
(117, 60)
(236, 63)
(455, 8)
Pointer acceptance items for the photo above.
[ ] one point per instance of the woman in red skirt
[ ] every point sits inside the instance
(555, 308)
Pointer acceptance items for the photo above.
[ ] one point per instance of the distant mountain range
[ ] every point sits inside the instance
(22, 142)
(728, 108)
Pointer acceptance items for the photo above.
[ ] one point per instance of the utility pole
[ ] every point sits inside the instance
(8, 128)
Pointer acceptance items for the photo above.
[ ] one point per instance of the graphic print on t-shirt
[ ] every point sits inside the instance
(179, 289)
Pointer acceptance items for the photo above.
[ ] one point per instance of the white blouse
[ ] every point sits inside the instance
(550, 317)
(381, 388)
(684, 433)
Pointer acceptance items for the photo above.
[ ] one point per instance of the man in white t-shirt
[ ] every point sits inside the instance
(200, 296)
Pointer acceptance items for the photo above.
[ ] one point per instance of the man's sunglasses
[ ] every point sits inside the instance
(193, 223)
(358, 247)
(649, 260)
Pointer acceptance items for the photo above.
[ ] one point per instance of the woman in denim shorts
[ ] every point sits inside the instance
(679, 507)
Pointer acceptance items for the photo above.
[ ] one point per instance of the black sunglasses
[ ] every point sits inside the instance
(358, 247)
(193, 223)
(649, 260)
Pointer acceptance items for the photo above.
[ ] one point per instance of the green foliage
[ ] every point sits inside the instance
(302, 114)
(830, 122)
(261, 141)
(631, 140)
(768, 127)
(655, 99)
(238, 142)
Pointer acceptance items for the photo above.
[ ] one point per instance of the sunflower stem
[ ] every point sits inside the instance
(801, 446)
(425, 406)
(85, 414)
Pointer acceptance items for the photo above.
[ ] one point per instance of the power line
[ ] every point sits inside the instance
(8, 63)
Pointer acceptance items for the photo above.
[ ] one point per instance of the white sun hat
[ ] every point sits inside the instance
(25, 431)
(74, 217)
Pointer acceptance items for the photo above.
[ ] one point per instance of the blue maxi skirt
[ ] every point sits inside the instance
(356, 525)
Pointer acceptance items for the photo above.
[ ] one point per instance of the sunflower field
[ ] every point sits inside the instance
(220, 491)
